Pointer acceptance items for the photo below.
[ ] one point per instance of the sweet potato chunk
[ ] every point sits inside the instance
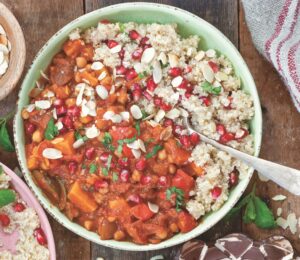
(65, 143)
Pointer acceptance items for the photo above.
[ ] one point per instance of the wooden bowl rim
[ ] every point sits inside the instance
(18, 51)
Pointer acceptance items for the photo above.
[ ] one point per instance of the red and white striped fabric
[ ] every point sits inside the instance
(275, 30)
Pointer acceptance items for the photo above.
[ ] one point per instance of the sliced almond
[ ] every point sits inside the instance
(92, 132)
(44, 75)
(42, 104)
(102, 75)
(97, 65)
(153, 207)
(173, 113)
(134, 145)
(116, 119)
(210, 53)
(78, 143)
(221, 76)
(282, 222)
(148, 55)
(89, 91)
(141, 145)
(163, 58)
(136, 153)
(125, 115)
(49, 94)
(177, 81)
(166, 133)
(157, 72)
(159, 115)
(30, 107)
(59, 125)
(81, 87)
(54, 113)
(152, 123)
(112, 89)
(292, 222)
(84, 109)
(52, 153)
(208, 73)
(136, 112)
(102, 92)
(279, 212)
(173, 60)
(116, 49)
(108, 115)
(279, 197)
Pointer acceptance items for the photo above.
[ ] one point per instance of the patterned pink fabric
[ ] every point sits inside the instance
(275, 30)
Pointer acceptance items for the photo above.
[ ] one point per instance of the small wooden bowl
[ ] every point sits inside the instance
(17, 54)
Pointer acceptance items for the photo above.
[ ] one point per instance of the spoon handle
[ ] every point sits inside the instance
(286, 177)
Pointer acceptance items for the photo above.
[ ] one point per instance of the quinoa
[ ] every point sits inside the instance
(24, 223)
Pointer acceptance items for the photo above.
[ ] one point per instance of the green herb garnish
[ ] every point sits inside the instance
(115, 176)
(109, 162)
(179, 196)
(154, 151)
(148, 141)
(51, 130)
(104, 171)
(143, 74)
(6, 196)
(144, 114)
(138, 127)
(122, 27)
(79, 136)
(256, 211)
(5, 142)
(93, 168)
(163, 65)
(107, 141)
(207, 87)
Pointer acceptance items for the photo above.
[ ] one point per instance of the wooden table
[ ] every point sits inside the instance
(281, 140)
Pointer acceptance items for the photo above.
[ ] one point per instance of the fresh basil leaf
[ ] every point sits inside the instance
(233, 212)
(5, 142)
(216, 90)
(6, 197)
(209, 88)
(250, 213)
(51, 130)
(93, 168)
(264, 216)
(154, 151)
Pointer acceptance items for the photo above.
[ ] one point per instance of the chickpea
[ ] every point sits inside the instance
(25, 114)
(119, 235)
(70, 102)
(111, 219)
(88, 66)
(162, 155)
(170, 159)
(173, 227)
(45, 164)
(162, 233)
(172, 168)
(37, 136)
(136, 176)
(81, 62)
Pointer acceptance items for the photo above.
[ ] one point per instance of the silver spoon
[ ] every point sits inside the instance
(286, 177)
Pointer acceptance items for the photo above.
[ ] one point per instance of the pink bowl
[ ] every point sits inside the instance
(31, 201)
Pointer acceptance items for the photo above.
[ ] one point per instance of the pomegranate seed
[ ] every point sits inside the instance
(121, 54)
(227, 137)
(134, 198)
(30, 128)
(177, 129)
(144, 40)
(184, 84)
(5, 220)
(221, 130)
(104, 156)
(89, 153)
(61, 110)
(188, 69)
(72, 167)
(216, 192)
(146, 46)
(147, 95)
(133, 34)
(141, 164)
(124, 175)
(123, 162)
(206, 100)
(136, 94)
(105, 21)
(151, 85)
(58, 102)
(194, 138)
(162, 181)
(19, 207)
(145, 179)
(168, 122)
(40, 236)
(100, 184)
(111, 43)
(213, 66)
(137, 54)
(165, 106)
(187, 95)
(130, 74)
(241, 134)
(73, 111)
(63, 130)
(233, 178)
(157, 101)
(120, 70)
(174, 72)
(68, 122)
(136, 86)
(185, 141)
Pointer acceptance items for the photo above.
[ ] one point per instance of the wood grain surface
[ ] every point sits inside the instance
(281, 142)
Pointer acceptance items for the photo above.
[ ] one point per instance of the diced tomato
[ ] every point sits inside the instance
(179, 155)
(183, 181)
(186, 222)
(127, 151)
(141, 212)
(122, 132)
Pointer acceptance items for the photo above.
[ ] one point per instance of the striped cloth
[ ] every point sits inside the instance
(275, 30)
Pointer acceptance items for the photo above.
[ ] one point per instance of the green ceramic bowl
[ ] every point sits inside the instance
(141, 13)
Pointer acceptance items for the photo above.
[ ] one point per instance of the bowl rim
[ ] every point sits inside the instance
(130, 246)
(24, 191)
(10, 81)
